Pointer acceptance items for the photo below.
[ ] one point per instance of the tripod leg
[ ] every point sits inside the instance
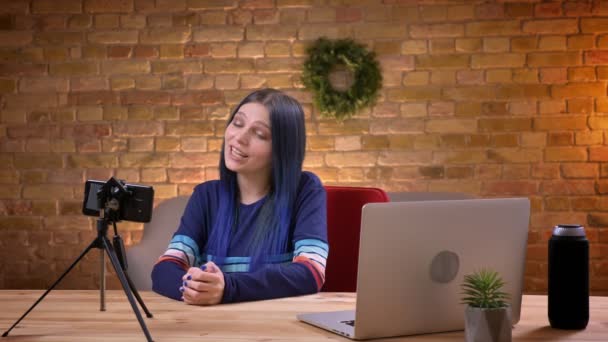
(125, 285)
(102, 280)
(136, 294)
(92, 245)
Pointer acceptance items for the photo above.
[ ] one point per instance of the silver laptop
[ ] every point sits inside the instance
(412, 260)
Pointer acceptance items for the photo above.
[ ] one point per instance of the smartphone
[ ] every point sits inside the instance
(136, 207)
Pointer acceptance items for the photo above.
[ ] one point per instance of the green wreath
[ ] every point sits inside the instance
(324, 56)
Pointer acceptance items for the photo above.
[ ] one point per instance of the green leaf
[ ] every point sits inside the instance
(323, 56)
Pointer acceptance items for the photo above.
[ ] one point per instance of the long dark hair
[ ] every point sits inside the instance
(288, 148)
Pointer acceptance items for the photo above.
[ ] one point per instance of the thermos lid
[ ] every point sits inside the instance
(568, 230)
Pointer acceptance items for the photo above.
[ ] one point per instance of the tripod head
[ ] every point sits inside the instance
(116, 200)
(110, 197)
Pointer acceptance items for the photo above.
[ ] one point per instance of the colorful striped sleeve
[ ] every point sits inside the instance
(183, 251)
(312, 253)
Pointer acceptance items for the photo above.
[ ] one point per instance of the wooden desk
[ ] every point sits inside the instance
(74, 316)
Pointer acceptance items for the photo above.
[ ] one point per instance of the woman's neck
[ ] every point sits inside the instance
(252, 189)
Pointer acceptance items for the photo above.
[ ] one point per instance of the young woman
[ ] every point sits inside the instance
(259, 232)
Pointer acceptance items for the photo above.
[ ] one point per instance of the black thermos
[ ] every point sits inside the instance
(568, 277)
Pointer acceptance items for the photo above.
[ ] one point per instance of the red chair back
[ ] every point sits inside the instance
(343, 230)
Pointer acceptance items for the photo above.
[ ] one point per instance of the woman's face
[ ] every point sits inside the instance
(248, 140)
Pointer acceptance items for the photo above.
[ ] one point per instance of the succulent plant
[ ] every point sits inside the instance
(483, 289)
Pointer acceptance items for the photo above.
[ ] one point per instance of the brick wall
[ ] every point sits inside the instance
(502, 98)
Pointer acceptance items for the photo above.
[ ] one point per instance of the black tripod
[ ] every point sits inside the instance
(102, 242)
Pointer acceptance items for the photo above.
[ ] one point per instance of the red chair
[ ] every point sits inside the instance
(343, 230)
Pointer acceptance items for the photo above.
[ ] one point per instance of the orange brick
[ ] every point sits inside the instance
(594, 25)
(394, 63)
(470, 77)
(380, 31)
(557, 203)
(596, 57)
(443, 77)
(552, 9)
(580, 106)
(414, 47)
(145, 98)
(433, 13)
(461, 12)
(186, 67)
(515, 155)
(320, 143)
(402, 141)
(468, 45)
(129, 67)
(433, 62)
(396, 126)
(560, 139)
(374, 142)
(436, 30)
(598, 154)
(387, 48)
(222, 34)
(348, 159)
(560, 123)
(73, 69)
(522, 90)
(511, 187)
(554, 59)
(468, 93)
(490, 11)
(108, 6)
(516, 172)
(467, 109)
(493, 28)
(175, 35)
(552, 43)
(594, 89)
(580, 170)
(569, 187)
(20, 223)
(496, 44)
(499, 76)
(404, 158)
(165, 144)
(269, 32)
(451, 126)
(551, 26)
(565, 154)
(91, 161)
(459, 157)
(589, 138)
(230, 66)
(496, 61)
(505, 140)
(113, 37)
(584, 203)
(189, 129)
(331, 31)
(505, 125)
(186, 175)
(143, 160)
(523, 44)
(581, 42)
(412, 93)
(172, 51)
(54, 6)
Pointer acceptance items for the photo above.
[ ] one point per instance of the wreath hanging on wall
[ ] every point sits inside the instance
(324, 57)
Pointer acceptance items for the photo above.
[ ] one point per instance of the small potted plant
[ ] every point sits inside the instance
(487, 314)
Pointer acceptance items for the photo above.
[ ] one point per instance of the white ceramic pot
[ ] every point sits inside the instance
(487, 325)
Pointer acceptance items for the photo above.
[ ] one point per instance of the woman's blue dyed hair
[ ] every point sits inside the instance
(288, 133)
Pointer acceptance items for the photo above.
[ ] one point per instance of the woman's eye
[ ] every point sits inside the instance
(261, 135)
(237, 123)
